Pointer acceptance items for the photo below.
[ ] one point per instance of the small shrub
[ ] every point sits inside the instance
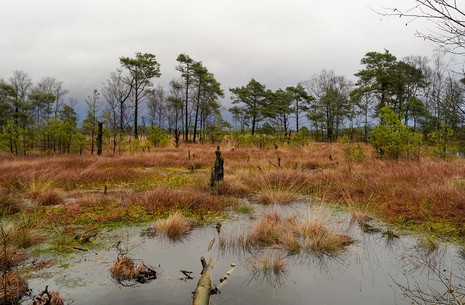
(391, 138)
(158, 137)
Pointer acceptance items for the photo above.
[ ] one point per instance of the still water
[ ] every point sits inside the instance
(377, 269)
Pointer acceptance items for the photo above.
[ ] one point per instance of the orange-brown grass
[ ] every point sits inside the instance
(404, 190)
(415, 191)
(9, 204)
(268, 230)
(174, 227)
(233, 186)
(12, 288)
(50, 197)
(14, 237)
(124, 269)
(293, 234)
(133, 207)
(316, 235)
(278, 186)
(164, 199)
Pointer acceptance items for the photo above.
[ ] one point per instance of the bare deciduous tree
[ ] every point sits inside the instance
(51, 85)
(448, 17)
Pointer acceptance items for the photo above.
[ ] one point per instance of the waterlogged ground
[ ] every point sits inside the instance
(377, 269)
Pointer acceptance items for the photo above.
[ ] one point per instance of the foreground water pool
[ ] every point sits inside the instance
(377, 269)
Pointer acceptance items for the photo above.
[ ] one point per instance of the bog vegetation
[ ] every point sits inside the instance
(385, 147)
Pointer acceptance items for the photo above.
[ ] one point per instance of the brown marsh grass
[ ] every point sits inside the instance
(14, 237)
(174, 227)
(278, 186)
(162, 182)
(293, 234)
(50, 197)
(165, 199)
(13, 288)
(9, 204)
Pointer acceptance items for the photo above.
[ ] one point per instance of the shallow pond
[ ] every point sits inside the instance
(377, 269)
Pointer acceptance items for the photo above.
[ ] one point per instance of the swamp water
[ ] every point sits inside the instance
(377, 269)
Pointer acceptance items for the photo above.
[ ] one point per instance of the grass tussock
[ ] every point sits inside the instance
(278, 186)
(165, 199)
(8, 203)
(293, 234)
(50, 197)
(174, 227)
(13, 238)
(124, 269)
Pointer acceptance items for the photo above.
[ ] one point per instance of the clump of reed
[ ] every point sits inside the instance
(50, 197)
(233, 186)
(164, 199)
(36, 183)
(13, 288)
(9, 204)
(291, 233)
(315, 234)
(174, 227)
(278, 186)
(124, 269)
(14, 237)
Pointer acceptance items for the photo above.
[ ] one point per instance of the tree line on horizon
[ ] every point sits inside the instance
(425, 94)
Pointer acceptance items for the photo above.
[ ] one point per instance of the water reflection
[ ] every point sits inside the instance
(382, 267)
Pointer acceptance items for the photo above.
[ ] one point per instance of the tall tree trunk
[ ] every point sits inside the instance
(136, 106)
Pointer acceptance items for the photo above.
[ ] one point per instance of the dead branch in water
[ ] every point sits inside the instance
(124, 269)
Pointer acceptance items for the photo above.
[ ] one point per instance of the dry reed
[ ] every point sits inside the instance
(174, 227)
(12, 288)
(292, 233)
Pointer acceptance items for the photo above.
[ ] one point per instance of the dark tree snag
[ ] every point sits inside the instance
(217, 173)
(100, 138)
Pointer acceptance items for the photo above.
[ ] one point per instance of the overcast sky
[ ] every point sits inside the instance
(279, 43)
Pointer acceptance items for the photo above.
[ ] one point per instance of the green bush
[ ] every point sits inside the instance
(158, 137)
(391, 138)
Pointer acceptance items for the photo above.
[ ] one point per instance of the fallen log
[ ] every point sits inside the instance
(223, 280)
(204, 286)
